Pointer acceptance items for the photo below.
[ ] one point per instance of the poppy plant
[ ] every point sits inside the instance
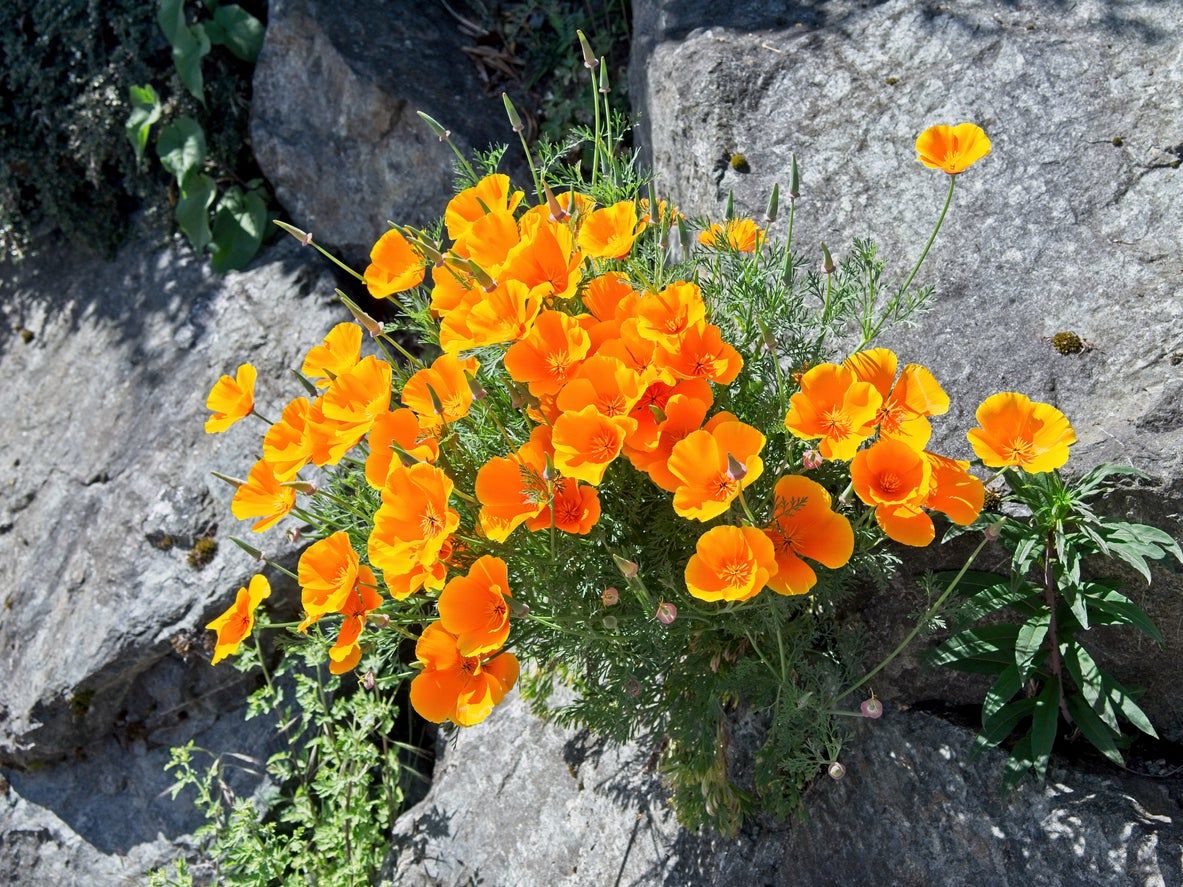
(395, 266)
(549, 354)
(440, 393)
(573, 508)
(287, 446)
(804, 525)
(414, 520)
(262, 496)
(586, 442)
(730, 564)
(394, 434)
(454, 687)
(235, 625)
(232, 398)
(952, 149)
(713, 465)
(907, 403)
(511, 489)
(473, 608)
(895, 480)
(1016, 432)
(835, 406)
(327, 572)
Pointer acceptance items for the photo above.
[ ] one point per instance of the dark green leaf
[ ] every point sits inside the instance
(192, 211)
(1094, 729)
(145, 110)
(1044, 721)
(238, 229)
(1026, 597)
(1018, 764)
(1117, 608)
(170, 15)
(187, 56)
(181, 147)
(1008, 684)
(1084, 672)
(1098, 480)
(1078, 604)
(240, 31)
(1003, 722)
(994, 642)
(1120, 697)
(1029, 640)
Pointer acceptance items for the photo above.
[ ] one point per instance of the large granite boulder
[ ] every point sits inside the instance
(519, 802)
(333, 120)
(1073, 223)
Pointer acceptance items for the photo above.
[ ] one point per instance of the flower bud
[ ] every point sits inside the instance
(729, 211)
(994, 530)
(628, 569)
(633, 687)
(433, 124)
(373, 327)
(379, 620)
(305, 237)
(836, 771)
(659, 415)
(770, 214)
(827, 260)
(557, 213)
(589, 57)
(249, 549)
(294, 535)
(794, 180)
(610, 596)
(518, 609)
(515, 119)
(604, 90)
(812, 459)
(736, 470)
(610, 623)
(368, 681)
(225, 478)
(666, 613)
(478, 391)
(871, 708)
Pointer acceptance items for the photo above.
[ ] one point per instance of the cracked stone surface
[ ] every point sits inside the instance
(1074, 222)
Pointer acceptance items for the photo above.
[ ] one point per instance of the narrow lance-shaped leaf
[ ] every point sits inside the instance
(145, 111)
(1044, 721)
(1094, 729)
(1029, 641)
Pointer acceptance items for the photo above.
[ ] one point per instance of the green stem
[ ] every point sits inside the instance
(923, 621)
(533, 168)
(933, 236)
(596, 143)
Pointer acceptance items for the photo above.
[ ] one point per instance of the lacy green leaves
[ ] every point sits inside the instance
(1045, 679)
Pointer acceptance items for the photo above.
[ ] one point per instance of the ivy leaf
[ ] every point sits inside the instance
(239, 31)
(1044, 721)
(181, 147)
(190, 44)
(238, 229)
(145, 110)
(192, 211)
(1030, 640)
(170, 16)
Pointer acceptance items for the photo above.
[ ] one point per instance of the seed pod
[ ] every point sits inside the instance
(836, 771)
(666, 613)
(610, 596)
(872, 708)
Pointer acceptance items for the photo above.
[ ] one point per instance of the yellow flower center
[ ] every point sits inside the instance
(736, 573)
(611, 404)
(430, 524)
(1019, 451)
(559, 363)
(723, 486)
(890, 483)
(836, 423)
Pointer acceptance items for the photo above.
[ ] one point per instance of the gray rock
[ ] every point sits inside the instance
(105, 472)
(519, 802)
(333, 119)
(1074, 222)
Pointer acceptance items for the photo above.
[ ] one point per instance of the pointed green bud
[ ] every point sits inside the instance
(589, 57)
(604, 89)
(773, 204)
(827, 260)
(434, 125)
(658, 413)
(225, 478)
(628, 569)
(436, 403)
(300, 486)
(515, 119)
(371, 326)
(249, 549)
(308, 386)
(794, 180)
(729, 212)
(305, 237)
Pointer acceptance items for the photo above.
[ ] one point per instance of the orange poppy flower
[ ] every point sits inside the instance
(262, 496)
(235, 625)
(701, 353)
(503, 315)
(473, 608)
(652, 406)
(394, 266)
(413, 522)
(666, 316)
(449, 289)
(742, 235)
(704, 464)
(953, 491)
(586, 442)
(287, 446)
(488, 241)
(609, 233)
(1017, 432)
(359, 395)
(906, 404)
(638, 354)
(360, 602)
(606, 294)
(730, 564)
(445, 383)
(511, 489)
(491, 194)
(952, 149)
(835, 406)
(684, 414)
(398, 428)
(576, 509)
(454, 687)
(329, 440)
(804, 525)
(895, 480)
(231, 399)
(327, 573)
(338, 353)
(546, 254)
(549, 354)
(602, 382)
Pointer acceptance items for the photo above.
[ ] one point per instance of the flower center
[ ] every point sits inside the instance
(723, 487)
(890, 483)
(602, 446)
(567, 511)
(736, 573)
(430, 524)
(611, 404)
(1019, 451)
(559, 363)
(836, 423)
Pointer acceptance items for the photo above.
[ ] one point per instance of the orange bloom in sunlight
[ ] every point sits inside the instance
(394, 266)
(287, 446)
(262, 496)
(835, 406)
(664, 317)
(804, 525)
(549, 354)
(895, 480)
(952, 149)
(1017, 432)
(360, 395)
(449, 289)
(545, 255)
(953, 491)
(234, 626)
(576, 509)
(329, 440)
(906, 404)
(609, 233)
(454, 687)
(231, 399)
(360, 602)
(440, 393)
(712, 465)
(473, 607)
(511, 489)
(491, 194)
(701, 353)
(730, 564)
(684, 414)
(504, 315)
(606, 294)
(652, 406)
(488, 240)
(327, 573)
(398, 428)
(742, 235)
(586, 442)
(602, 382)
(414, 521)
(338, 353)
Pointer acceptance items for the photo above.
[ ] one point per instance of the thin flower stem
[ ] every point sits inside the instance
(920, 624)
(281, 569)
(407, 355)
(328, 255)
(933, 236)
(596, 143)
(263, 665)
(787, 272)
(259, 415)
(533, 169)
(743, 501)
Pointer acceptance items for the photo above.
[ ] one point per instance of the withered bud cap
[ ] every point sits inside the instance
(368, 681)
(610, 596)
(736, 470)
(872, 708)
(666, 613)
(836, 771)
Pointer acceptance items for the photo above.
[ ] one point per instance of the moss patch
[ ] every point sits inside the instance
(203, 552)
